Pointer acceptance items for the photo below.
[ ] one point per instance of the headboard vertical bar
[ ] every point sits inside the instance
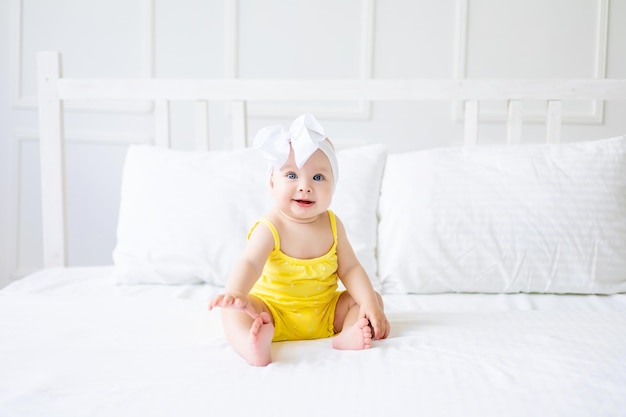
(201, 131)
(52, 160)
(162, 123)
(554, 117)
(514, 122)
(239, 124)
(470, 136)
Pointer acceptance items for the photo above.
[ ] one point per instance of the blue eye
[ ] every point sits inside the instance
(318, 177)
(292, 176)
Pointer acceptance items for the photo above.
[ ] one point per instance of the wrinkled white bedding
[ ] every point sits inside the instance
(72, 343)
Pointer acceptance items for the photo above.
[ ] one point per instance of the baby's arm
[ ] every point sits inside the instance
(246, 272)
(356, 281)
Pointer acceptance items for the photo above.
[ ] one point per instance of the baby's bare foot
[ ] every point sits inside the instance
(261, 334)
(356, 337)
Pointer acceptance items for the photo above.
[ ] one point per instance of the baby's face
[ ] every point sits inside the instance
(306, 192)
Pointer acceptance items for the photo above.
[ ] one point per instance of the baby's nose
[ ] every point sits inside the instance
(304, 187)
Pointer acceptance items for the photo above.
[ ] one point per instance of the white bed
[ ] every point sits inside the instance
(94, 341)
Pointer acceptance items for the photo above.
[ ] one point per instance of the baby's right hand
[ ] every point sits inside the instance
(233, 301)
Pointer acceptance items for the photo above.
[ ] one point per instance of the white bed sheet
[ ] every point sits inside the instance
(74, 344)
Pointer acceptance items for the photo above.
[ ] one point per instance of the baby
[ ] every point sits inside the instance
(284, 287)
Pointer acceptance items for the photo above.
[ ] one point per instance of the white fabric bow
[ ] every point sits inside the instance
(305, 136)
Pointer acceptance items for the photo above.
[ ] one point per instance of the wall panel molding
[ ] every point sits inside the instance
(595, 115)
(29, 102)
(360, 110)
(14, 208)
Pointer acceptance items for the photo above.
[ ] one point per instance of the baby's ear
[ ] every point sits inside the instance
(271, 177)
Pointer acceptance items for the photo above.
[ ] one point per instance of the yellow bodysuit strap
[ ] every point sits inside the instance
(272, 228)
(333, 225)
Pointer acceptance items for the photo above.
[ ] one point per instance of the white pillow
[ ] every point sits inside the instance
(356, 201)
(184, 216)
(526, 218)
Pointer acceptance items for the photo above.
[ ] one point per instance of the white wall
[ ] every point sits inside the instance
(274, 38)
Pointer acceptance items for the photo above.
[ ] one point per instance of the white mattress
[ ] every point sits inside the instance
(74, 344)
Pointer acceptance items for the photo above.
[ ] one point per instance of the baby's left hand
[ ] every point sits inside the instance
(378, 321)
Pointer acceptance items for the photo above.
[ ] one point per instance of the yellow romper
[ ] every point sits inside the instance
(301, 294)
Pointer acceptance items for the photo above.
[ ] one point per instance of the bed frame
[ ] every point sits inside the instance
(54, 89)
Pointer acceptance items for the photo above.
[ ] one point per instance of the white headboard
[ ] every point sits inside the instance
(54, 89)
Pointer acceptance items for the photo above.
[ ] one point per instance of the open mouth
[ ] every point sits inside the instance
(304, 203)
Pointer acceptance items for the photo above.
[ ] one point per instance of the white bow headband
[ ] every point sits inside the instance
(305, 135)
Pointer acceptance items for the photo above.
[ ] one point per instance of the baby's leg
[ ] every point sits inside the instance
(356, 333)
(250, 337)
